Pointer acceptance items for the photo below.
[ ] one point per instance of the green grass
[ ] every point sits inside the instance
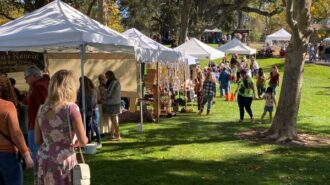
(192, 150)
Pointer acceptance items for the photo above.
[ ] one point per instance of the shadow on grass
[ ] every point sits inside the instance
(280, 166)
(191, 131)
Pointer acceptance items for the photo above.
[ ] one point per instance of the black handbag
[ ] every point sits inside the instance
(19, 157)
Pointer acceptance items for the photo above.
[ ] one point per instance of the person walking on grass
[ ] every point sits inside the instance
(199, 88)
(261, 82)
(246, 93)
(209, 91)
(274, 78)
(270, 102)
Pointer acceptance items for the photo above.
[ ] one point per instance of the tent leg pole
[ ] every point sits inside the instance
(82, 61)
(158, 94)
(140, 126)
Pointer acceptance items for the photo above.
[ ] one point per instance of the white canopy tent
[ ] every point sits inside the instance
(326, 40)
(280, 35)
(198, 49)
(157, 51)
(236, 46)
(57, 27)
(191, 60)
(215, 30)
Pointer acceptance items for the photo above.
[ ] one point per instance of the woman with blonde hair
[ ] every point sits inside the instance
(57, 128)
(209, 91)
(11, 138)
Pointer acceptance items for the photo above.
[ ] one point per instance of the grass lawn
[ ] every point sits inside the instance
(195, 150)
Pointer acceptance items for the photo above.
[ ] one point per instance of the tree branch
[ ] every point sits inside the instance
(260, 12)
(289, 13)
(6, 16)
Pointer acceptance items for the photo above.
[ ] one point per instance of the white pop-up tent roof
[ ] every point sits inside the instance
(281, 34)
(215, 30)
(198, 49)
(327, 40)
(236, 46)
(156, 52)
(191, 60)
(57, 26)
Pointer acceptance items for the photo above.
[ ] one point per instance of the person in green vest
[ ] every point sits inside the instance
(246, 93)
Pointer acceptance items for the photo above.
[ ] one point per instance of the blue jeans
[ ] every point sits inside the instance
(11, 172)
(274, 87)
(224, 88)
(95, 124)
(209, 100)
(32, 145)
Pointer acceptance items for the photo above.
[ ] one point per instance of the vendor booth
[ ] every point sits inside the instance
(236, 46)
(159, 72)
(67, 38)
(280, 35)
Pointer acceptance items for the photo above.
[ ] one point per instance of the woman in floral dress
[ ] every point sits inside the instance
(56, 156)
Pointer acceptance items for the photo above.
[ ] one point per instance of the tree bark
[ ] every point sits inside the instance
(283, 127)
(185, 14)
(103, 6)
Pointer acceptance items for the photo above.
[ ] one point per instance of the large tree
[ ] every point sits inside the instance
(298, 17)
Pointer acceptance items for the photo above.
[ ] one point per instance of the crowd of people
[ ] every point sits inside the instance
(251, 84)
(319, 52)
(55, 123)
(56, 113)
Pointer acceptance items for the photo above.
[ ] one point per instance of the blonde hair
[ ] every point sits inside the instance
(210, 77)
(62, 87)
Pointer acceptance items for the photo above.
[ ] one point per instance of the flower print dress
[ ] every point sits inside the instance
(56, 157)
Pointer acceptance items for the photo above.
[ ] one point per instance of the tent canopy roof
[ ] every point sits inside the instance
(327, 40)
(198, 49)
(236, 46)
(281, 34)
(215, 30)
(57, 25)
(156, 52)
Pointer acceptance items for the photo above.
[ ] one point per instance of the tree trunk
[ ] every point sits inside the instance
(185, 14)
(103, 12)
(284, 124)
(283, 127)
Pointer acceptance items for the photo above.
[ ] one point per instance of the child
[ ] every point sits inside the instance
(261, 81)
(270, 102)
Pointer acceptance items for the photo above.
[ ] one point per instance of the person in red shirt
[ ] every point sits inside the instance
(274, 78)
(38, 84)
(11, 138)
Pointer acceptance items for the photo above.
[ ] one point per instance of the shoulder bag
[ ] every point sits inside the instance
(81, 171)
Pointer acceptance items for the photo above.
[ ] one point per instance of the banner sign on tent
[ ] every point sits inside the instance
(17, 61)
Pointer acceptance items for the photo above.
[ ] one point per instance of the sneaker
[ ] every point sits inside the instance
(252, 120)
(240, 121)
(98, 145)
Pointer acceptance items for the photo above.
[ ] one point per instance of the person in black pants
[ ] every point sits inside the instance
(246, 93)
